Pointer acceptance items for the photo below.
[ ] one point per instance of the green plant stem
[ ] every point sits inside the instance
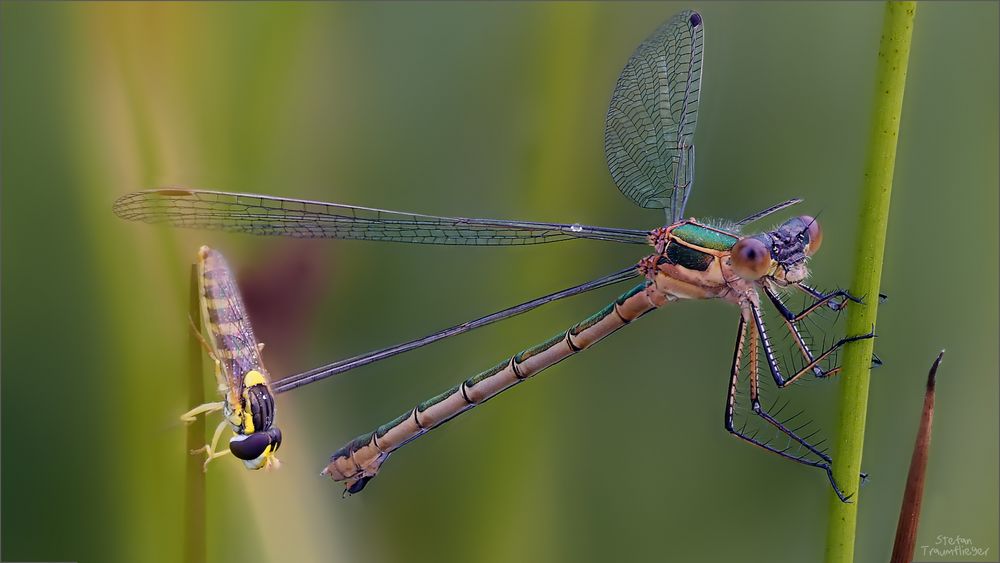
(893, 56)
(194, 472)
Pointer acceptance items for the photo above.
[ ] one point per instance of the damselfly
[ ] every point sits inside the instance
(649, 147)
(248, 402)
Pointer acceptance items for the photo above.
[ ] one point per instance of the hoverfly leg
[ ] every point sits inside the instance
(210, 449)
(206, 408)
(201, 338)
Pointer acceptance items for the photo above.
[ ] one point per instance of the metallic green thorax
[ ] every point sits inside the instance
(688, 240)
(705, 237)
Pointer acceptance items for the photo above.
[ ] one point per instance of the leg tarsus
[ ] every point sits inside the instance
(828, 299)
(210, 455)
(876, 361)
(846, 499)
(210, 449)
(865, 336)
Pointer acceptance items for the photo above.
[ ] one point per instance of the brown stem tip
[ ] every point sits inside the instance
(909, 512)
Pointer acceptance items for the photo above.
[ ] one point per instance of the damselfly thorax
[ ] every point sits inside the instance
(695, 260)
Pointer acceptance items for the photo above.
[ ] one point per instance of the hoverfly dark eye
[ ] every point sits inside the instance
(249, 447)
(751, 259)
(252, 446)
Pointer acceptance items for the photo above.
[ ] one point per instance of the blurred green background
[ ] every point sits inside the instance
(474, 109)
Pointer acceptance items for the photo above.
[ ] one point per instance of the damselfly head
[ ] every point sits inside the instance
(796, 239)
(257, 449)
(779, 254)
(793, 243)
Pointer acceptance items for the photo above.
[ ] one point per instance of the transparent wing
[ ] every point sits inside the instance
(278, 216)
(650, 126)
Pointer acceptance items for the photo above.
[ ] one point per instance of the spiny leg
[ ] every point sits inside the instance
(790, 323)
(836, 305)
(791, 320)
(772, 362)
(209, 449)
(734, 375)
(754, 363)
(731, 427)
(825, 465)
(755, 398)
(827, 299)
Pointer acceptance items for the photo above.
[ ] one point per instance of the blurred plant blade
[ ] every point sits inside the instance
(194, 474)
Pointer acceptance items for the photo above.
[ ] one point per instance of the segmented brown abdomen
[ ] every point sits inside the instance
(360, 460)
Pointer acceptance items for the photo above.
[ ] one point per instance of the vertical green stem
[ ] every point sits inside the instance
(893, 56)
(194, 472)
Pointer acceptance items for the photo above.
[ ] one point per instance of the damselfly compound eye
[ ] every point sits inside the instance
(751, 259)
(814, 233)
